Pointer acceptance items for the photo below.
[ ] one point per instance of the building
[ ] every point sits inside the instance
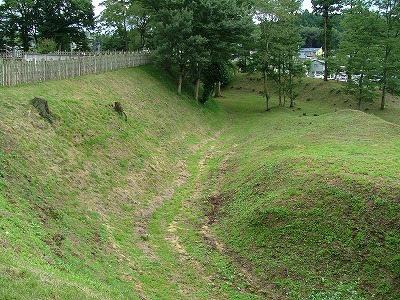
(317, 68)
(310, 53)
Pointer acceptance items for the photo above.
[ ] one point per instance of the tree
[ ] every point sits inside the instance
(127, 24)
(176, 42)
(46, 46)
(361, 50)
(190, 34)
(116, 18)
(141, 22)
(19, 20)
(311, 36)
(279, 43)
(7, 30)
(227, 27)
(215, 75)
(310, 30)
(267, 16)
(326, 8)
(389, 10)
(65, 21)
(295, 71)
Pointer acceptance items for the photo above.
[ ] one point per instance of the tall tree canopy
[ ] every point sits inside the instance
(65, 21)
(127, 24)
(310, 29)
(361, 50)
(278, 45)
(327, 8)
(19, 22)
(389, 10)
(25, 22)
(191, 34)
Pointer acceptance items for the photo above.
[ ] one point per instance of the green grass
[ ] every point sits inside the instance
(71, 192)
(311, 201)
(183, 201)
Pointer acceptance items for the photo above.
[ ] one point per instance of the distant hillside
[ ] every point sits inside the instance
(317, 96)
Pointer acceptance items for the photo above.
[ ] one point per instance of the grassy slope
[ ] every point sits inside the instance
(75, 195)
(310, 201)
(94, 207)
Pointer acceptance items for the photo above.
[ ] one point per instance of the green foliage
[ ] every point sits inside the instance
(310, 29)
(394, 85)
(46, 46)
(311, 36)
(361, 49)
(127, 24)
(389, 12)
(18, 21)
(279, 42)
(176, 40)
(216, 71)
(327, 8)
(65, 22)
(309, 20)
(62, 21)
(192, 34)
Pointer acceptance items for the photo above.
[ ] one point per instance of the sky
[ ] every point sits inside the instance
(97, 9)
(307, 5)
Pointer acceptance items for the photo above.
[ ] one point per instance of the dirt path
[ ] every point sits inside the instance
(208, 151)
(172, 232)
(243, 270)
(143, 215)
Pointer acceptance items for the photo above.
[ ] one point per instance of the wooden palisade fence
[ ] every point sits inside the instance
(27, 70)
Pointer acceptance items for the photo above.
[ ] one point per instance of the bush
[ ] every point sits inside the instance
(216, 71)
(46, 46)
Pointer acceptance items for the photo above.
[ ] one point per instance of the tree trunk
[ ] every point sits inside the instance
(280, 86)
(266, 91)
(326, 16)
(141, 40)
(180, 80)
(196, 89)
(348, 77)
(383, 97)
(384, 77)
(182, 71)
(360, 87)
(218, 90)
(125, 33)
(291, 91)
(167, 65)
(292, 98)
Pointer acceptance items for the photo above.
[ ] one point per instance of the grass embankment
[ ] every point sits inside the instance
(93, 207)
(76, 196)
(309, 201)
